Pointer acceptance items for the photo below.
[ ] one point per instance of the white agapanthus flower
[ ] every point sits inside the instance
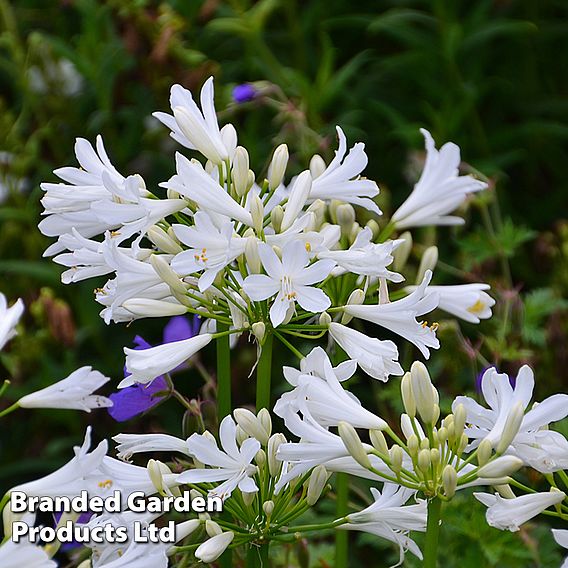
(26, 554)
(130, 444)
(9, 318)
(290, 280)
(341, 178)
(439, 191)
(468, 302)
(365, 258)
(400, 316)
(510, 514)
(211, 248)
(390, 518)
(232, 465)
(73, 392)
(213, 547)
(377, 358)
(540, 448)
(193, 127)
(326, 400)
(147, 364)
(561, 537)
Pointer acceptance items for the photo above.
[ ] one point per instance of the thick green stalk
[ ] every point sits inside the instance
(263, 374)
(341, 537)
(223, 373)
(432, 533)
(257, 556)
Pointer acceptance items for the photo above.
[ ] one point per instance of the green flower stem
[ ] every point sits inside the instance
(257, 556)
(289, 345)
(341, 537)
(10, 409)
(263, 374)
(223, 372)
(432, 533)
(4, 386)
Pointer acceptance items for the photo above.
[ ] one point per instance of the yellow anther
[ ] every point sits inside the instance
(477, 308)
(308, 247)
(106, 484)
(435, 326)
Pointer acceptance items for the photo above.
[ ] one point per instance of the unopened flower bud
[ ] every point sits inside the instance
(374, 226)
(250, 424)
(449, 481)
(424, 444)
(274, 464)
(254, 263)
(484, 451)
(345, 217)
(379, 442)
(240, 171)
(265, 421)
(297, 199)
(324, 319)
(316, 485)
(402, 251)
(424, 460)
(423, 391)
(357, 297)
(460, 415)
(353, 444)
(413, 444)
(463, 442)
(435, 456)
(449, 419)
(277, 166)
(248, 498)
(260, 458)
(268, 508)
(505, 491)
(502, 466)
(153, 308)
(276, 216)
(436, 413)
(259, 331)
(165, 272)
(212, 528)
(443, 435)
(511, 427)
(163, 240)
(396, 455)
(407, 396)
(211, 549)
(156, 470)
(240, 435)
(257, 213)
(317, 166)
(427, 262)
(354, 232)
(318, 208)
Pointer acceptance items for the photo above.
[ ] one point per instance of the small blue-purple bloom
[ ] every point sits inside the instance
(83, 519)
(479, 379)
(244, 93)
(138, 398)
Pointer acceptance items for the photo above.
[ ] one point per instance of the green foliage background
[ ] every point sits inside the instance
(488, 75)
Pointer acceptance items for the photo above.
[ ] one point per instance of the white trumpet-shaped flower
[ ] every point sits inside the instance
(213, 547)
(561, 537)
(26, 554)
(389, 518)
(73, 392)
(544, 450)
(365, 258)
(232, 464)
(400, 316)
(439, 191)
(377, 358)
(130, 444)
(147, 364)
(341, 178)
(193, 127)
(290, 280)
(9, 318)
(211, 248)
(468, 302)
(510, 514)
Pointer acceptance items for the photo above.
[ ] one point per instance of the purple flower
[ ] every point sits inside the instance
(83, 519)
(138, 398)
(244, 93)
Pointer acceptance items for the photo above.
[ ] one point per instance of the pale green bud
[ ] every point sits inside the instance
(502, 466)
(436, 414)
(250, 424)
(260, 458)
(374, 226)
(435, 456)
(396, 455)
(156, 471)
(317, 166)
(165, 272)
(451, 432)
(240, 435)
(345, 217)
(402, 251)
(265, 421)
(427, 262)
(318, 208)
(250, 180)
(258, 329)
(277, 166)
(276, 216)
(424, 460)
(424, 393)
(484, 451)
(355, 230)
(505, 491)
(324, 319)
(407, 395)
(163, 240)
(248, 498)
(449, 481)
(424, 444)
(357, 297)
(254, 264)
(316, 484)
(268, 508)
(333, 205)
(511, 427)
(257, 213)
(378, 440)
(449, 419)
(460, 416)
(212, 528)
(240, 171)
(443, 435)
(413, 443)
(353, 444)
(275, 465)
(463, 443)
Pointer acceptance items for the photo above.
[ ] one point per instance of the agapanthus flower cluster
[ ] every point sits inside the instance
(277, 255)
